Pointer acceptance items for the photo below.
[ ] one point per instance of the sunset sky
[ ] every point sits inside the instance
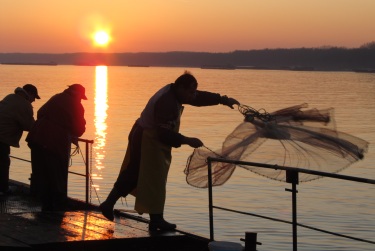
(68, 26)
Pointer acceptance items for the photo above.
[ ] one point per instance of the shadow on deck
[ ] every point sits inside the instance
(23, 226)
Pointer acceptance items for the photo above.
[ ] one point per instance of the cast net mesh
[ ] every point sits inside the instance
(291, 137)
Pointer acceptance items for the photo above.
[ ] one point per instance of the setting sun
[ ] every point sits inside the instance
(101, 38)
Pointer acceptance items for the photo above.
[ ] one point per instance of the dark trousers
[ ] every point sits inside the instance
(49, 177)
(4, 167)
(128, 179)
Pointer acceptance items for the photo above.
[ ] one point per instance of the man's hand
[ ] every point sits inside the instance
(193, 142)
(229, 101)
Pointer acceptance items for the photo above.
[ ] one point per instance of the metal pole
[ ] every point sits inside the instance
(292, 177)
(294, 202)
(87, 142)
(210, 204)
(250, 241)
(87, 173)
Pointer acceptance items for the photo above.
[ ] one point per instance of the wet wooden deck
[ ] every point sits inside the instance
(23, 226)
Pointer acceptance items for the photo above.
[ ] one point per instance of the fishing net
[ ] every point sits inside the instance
(291, 137)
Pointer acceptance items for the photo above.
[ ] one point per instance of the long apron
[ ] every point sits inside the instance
(154, 166)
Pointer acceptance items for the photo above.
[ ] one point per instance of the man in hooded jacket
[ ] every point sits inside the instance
(16, 116)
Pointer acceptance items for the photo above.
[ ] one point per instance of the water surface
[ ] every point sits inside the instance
(117, 95)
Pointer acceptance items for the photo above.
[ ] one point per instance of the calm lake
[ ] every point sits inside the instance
(117, 95)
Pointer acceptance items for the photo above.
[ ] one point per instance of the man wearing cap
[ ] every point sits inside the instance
(60, 121)
(16, 116)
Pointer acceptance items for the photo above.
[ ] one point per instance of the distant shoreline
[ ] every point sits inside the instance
(213, 67)
(301, 59)
(29, 63)
(367, 70)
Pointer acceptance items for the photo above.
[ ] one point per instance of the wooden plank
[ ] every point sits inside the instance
(9, 242)
(24, 226)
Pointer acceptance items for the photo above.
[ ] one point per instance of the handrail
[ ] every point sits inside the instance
(291, 177)
(296, 169)
(87, 142)
(87, 166)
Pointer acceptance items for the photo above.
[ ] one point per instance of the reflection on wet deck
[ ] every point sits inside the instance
(24, 226)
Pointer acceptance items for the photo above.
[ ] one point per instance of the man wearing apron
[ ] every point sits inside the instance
(147, 160)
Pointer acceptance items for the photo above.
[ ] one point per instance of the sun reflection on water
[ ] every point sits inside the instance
(101, 106)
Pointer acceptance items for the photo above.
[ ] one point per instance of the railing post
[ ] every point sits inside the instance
(87, 165)
(250, 241)
(210, 203)
(87, 173)
(292, 177)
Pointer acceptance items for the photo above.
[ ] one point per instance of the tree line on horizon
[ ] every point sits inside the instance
(323, 58)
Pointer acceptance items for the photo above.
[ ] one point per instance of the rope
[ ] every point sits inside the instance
(91, 182)
(218, 155)
(251, 113)
(75, 152)
(19, 158)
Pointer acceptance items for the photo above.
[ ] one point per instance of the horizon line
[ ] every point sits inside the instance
(279, 48)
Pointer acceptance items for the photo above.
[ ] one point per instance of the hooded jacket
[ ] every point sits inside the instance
(16, 116)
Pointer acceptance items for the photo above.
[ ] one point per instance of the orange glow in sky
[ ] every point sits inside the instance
(183, 25)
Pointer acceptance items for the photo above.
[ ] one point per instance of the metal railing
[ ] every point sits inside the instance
(87, 174)
(291, 177)
(88, 143)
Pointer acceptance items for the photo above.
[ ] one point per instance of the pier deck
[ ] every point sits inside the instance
(23, 226)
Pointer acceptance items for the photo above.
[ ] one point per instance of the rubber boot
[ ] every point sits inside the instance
(157, 222)
(107, 206)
